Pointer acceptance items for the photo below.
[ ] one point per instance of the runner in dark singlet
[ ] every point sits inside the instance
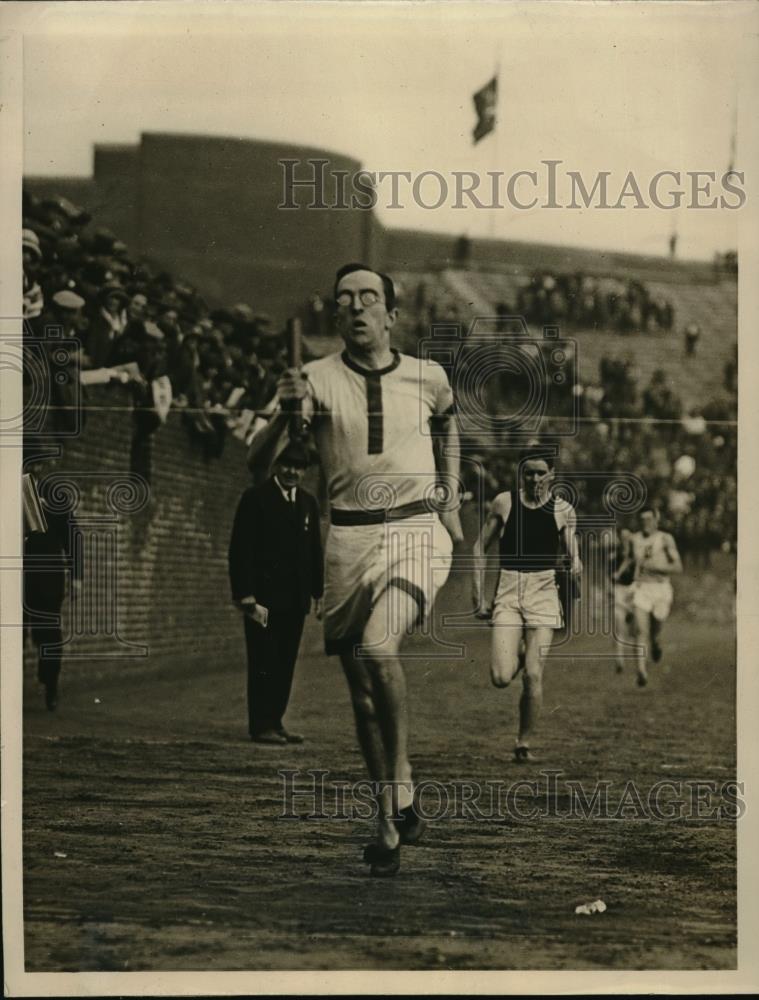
(534, 528)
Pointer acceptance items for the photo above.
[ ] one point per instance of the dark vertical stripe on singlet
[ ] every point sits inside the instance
(374, 413)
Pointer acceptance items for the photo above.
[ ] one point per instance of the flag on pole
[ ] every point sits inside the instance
(485, 101)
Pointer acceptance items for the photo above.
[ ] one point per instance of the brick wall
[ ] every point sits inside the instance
(155, 587)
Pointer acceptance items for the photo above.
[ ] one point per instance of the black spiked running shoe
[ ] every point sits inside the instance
(410, 825)
(523, 755)
(385, 861)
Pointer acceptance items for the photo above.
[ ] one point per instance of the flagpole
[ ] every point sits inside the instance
(496, 130)
(733, 138)
(674, 236)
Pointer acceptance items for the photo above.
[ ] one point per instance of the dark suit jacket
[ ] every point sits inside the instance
(48, 559)
(275, 552)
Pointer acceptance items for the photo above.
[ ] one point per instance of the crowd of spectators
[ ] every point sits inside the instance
(687, 461)
(136, 323)
(599, 303)
(428, 303)
(617, 395)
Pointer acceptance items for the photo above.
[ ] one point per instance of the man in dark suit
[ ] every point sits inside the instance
(48, 563)
(275, 569)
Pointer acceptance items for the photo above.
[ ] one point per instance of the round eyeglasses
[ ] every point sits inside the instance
(367, 297)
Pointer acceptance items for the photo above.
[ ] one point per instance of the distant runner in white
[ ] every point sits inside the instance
(623, 575)
(655, 557)
(384, 428)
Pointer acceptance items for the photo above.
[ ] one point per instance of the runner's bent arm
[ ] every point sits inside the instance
(570, 540)
(445, 446)
(490, 530)
(628, 562)
(674, 564)
(264, 447)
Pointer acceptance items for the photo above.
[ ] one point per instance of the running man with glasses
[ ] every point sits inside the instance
(383, 426)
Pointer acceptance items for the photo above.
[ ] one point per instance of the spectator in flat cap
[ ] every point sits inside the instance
(108, 325)
(127, 346)
(262, 322)
(30, 242)
(185, 377)
(66, 315)
(67, 305)
(34, 300)
(73, 212)
(168, 321)
(60, 329)
(243, 312)
(139, 342)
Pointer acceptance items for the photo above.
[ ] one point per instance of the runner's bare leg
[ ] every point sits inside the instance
(367, 725)
(504, 653)
(655, 629)
(643, 638)
(622, 635)
(392, 618)
(531, 702)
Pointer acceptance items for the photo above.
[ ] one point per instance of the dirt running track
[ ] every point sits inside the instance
(176, 858)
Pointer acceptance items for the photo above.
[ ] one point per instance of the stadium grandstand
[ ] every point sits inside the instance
(655, 341)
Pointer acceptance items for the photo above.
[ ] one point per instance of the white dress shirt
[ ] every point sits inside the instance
(289, 495)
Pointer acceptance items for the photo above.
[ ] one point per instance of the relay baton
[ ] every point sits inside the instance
(297, 425)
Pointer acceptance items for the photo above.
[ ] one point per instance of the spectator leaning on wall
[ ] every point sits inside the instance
(34, 300)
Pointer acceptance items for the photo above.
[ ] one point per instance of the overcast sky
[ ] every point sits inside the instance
(614, 87)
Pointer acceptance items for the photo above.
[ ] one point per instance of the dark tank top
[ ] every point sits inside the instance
(530, 539)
